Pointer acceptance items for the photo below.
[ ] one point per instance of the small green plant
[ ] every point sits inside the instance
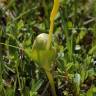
(44, 57)
(42, 51)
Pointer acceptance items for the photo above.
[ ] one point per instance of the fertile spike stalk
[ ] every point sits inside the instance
(52, 16)
(51, 81)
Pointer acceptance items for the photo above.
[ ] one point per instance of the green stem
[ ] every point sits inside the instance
(50, 34)
(51, 81)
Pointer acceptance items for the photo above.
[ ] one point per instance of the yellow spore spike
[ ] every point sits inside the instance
(52, 16)
(54, 10)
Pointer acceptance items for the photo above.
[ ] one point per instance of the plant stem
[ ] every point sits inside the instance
(52, 17)
(50, 34)
(51, 81)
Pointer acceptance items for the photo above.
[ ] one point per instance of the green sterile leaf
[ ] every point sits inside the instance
(39, 52)
(40, 42)
(43, 56)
